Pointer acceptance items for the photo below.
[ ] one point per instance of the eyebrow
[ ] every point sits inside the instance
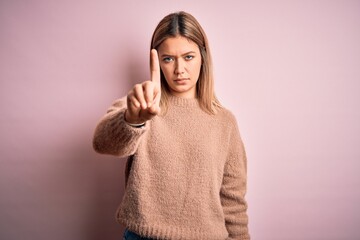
(169, 55)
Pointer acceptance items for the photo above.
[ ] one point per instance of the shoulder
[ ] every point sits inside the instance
(229, 122)
(226, 115)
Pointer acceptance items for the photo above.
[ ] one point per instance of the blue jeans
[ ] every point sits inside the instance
(128, 235)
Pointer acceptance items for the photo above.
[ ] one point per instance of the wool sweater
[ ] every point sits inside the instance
(188, 173)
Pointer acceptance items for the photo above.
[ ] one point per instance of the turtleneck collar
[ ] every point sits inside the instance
(183, 102)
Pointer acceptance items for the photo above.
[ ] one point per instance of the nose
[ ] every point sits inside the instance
(179, 67)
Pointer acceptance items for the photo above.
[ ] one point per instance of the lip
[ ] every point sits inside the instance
(181, 79)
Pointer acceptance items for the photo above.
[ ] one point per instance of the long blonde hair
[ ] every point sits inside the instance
(185, 25)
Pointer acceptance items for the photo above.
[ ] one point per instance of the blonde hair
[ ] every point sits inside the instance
(185, 25)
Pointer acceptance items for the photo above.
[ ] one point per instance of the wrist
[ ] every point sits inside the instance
(133, 123)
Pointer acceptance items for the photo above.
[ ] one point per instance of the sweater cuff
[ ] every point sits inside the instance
(136, 125)
(130, 127)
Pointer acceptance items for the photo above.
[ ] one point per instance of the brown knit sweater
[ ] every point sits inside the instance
(188, 175)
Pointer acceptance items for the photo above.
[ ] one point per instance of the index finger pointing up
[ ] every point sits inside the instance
(154, 66)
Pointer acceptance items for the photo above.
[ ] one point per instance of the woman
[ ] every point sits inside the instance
(186, 171)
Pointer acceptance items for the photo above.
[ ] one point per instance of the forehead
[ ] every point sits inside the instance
(178, 45)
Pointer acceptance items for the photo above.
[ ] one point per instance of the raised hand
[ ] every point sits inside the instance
(143, 101)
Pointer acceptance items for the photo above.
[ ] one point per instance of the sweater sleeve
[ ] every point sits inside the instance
(113, 135)
(233, 188)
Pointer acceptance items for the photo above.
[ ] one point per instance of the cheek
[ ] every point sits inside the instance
(195, 68)
(167, 68)
(167, 71)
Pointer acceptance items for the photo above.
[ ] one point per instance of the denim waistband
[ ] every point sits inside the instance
(129, 235)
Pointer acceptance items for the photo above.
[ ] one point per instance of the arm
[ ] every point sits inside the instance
(115, 136)
(234, 188)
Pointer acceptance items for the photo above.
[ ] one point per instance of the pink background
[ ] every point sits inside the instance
(289, 71)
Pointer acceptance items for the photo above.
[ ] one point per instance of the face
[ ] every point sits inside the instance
(180, 62)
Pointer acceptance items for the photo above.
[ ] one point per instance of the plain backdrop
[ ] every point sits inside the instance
(288, 70)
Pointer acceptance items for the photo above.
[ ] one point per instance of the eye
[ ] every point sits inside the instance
(189, 57)
(168, 59)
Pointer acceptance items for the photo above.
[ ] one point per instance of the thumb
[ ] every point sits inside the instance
(155, 109)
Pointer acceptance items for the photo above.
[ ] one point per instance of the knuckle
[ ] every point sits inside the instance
(147, 84)
(132, 98)
(130, 95)
(137, 87)
(138, 93)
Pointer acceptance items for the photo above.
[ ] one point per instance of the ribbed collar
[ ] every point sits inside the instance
(183, 102)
